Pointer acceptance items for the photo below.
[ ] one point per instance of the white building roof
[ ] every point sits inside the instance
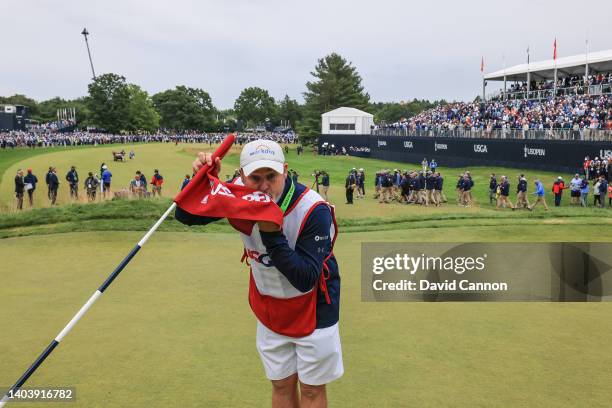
(347, 112)
(600, 61)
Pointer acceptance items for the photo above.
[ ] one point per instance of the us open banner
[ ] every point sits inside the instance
(557, 272)
(551, 155)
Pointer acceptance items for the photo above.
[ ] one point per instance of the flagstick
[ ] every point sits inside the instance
(220, 152)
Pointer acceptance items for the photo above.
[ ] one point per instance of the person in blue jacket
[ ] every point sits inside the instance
(539, 194)
(107, 177)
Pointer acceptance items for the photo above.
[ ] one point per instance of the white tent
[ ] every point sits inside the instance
(346, 121)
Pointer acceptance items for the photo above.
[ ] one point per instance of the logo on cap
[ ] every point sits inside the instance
(262, 149)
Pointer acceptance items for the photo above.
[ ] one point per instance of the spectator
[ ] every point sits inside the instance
(603, 189)
(521, 193)
(349, 186)
(107, 177)
(156, 183)
(575, 188)
(504, 192)
(492, 188)
(325, 185)
(19, 189)
(30, 181)
(185, 182)
(72, 177)
(53, 184)
(557, 189)
(361, 182)
(584, 192)
(137, 186)
(539, 194)
(143, 179)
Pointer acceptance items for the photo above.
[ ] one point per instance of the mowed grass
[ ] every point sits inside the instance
(174, 162)
(175, 329)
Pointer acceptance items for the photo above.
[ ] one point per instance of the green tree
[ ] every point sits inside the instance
(337, 83)
(254, 106)
(109, 102)
(185, 108)
(142, 114)
(289, 110)
(18, 99)
(390, 112)
(47, 110)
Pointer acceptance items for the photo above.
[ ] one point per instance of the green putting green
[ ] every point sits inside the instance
(176, 329)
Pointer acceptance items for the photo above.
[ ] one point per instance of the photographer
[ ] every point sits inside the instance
(91, 186)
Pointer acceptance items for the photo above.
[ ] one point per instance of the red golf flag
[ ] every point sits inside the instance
(207, 196)
(241, 205)
(555, 50)
(482, 64)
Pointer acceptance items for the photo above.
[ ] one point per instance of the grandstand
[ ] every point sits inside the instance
(568, 98)
(584, 74)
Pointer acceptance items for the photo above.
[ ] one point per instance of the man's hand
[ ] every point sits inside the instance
(267, 226)
(206, 158)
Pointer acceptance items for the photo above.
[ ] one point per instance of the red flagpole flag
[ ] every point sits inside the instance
(555, 50)
(482, 64)
(207, 196)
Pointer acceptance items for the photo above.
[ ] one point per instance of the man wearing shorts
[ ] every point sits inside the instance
(106, 180)
(294, 288)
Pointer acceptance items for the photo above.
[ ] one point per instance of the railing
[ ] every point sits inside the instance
(543, 94)
(590, 135)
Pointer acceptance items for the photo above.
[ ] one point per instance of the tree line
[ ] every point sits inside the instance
(115, 105)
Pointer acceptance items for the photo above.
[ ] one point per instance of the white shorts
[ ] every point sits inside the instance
(317, 358)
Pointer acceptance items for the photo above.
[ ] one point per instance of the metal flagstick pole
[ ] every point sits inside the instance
(220, 152)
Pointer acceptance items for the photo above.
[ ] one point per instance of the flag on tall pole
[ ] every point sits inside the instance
(527, 55)
(482, 64)
(555, 59)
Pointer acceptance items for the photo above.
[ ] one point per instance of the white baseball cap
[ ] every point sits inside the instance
(261, 154)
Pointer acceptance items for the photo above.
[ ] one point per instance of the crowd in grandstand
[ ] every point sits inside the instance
(51, 126)
(34, 139)
(574, 112)
(565, 82)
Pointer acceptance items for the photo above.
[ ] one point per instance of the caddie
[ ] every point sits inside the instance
(294, 288)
